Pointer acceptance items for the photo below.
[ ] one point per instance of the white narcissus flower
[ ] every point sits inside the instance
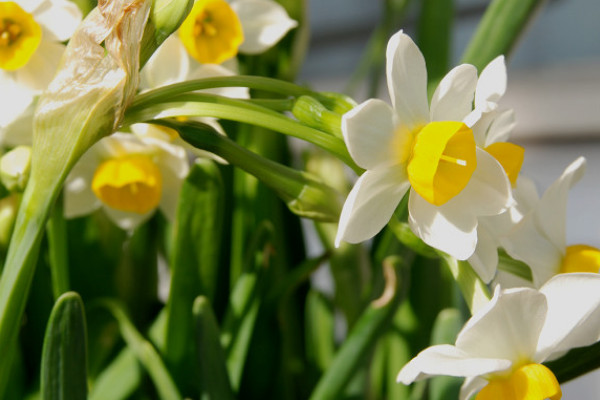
(129, 177)
(31, 33)
(216, 30)
(539, 239)
(501, 348)
(428, 149)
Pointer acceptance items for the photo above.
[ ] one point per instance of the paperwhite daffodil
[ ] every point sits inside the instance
(428, 149)
(501, 348)
(31, 33)
(129, 177)
(539, 239)
(216, 30)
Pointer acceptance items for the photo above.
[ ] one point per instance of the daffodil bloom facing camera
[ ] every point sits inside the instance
(31, 33)
(216, 30)
(129, 177)
(539, 239)
(427, 149)
(500, 349)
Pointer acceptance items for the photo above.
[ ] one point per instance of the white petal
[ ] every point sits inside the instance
(79, 199)
(485, 258)
(491, 85)
(170, 193)
(506, 280)
(507, 327)
(501, 127)
(447, 228)
(453, 98)
(39, 71)
(573, 313)
(169, 64)
(14, 101)
(407, 80)
(526, 243)
(32, 6)
(371, 203)
(20, 131)
(59, 18)
(448, 360)
(126, 220)
(368, 131)
(471, 386)
(551, 213)
(264, 23)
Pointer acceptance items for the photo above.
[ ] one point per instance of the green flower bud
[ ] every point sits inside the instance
(14, 168)
(314, 114)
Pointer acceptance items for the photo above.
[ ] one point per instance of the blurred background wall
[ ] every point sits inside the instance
(553, 86)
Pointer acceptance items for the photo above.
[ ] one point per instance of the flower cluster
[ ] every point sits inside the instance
(466, 198)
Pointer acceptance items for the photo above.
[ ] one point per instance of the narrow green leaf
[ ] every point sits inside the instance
(56, 231)
(119, 379)
(576, 362)
(434, 36)
(445, 329)
(502, 24)
(195, 268)
(64, 364)
(245, 301)
(320, 343)
(144, 352)
(363, 336)
(213, 378)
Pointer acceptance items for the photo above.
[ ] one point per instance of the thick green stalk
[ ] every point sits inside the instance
(57, 248)
(499, 30)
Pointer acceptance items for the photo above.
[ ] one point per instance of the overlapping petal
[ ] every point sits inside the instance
(453, 98)
(371, 203)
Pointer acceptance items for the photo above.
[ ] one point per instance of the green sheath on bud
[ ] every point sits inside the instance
(314, 114)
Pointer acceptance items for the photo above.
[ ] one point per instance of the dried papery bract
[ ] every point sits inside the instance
(85, 101)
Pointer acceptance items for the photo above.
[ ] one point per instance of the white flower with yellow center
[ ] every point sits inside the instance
(216, 30)
(428, 149)
(501, 348)
(30, 49)
(539, 239)
(129, 177)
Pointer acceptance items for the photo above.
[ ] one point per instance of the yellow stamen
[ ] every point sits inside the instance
(442, 161)
(581, 258)
(20, 36)
(510, 156)
(529, 382)
(131, 184)
(212, 32)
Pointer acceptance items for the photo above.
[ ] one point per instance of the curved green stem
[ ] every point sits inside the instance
(252, 82)
(209, 105)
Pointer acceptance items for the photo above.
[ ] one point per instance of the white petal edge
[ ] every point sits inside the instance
(448, 360)
(79, 199)
(501, 127)
(507, 327)
(60, 19)
(573, 313)
(491, 85)
(371, 203)
(170, 63)
(485, 258)
(407, 80)
(39, 71)
(471, 386)
(264, 23)
(369, 131)
(126, 220)
(453, 98)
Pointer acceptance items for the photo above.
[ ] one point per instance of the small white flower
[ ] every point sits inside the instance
(215, 30)
(426, 148)
(501, 348)
(129, 177)
(539, 239)
(31, 33)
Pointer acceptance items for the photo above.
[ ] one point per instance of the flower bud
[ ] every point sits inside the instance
(14, 168)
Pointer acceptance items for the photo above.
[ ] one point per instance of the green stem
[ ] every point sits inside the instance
(56, 230)
(208, 105)
(277, 86)
(475, 292)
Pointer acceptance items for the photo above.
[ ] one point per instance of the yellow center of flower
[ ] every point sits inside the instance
(510, 156)
(20, 36)
(442, 160)
(529, 382)
(212, 32)
(581, 258)
(131, 184)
